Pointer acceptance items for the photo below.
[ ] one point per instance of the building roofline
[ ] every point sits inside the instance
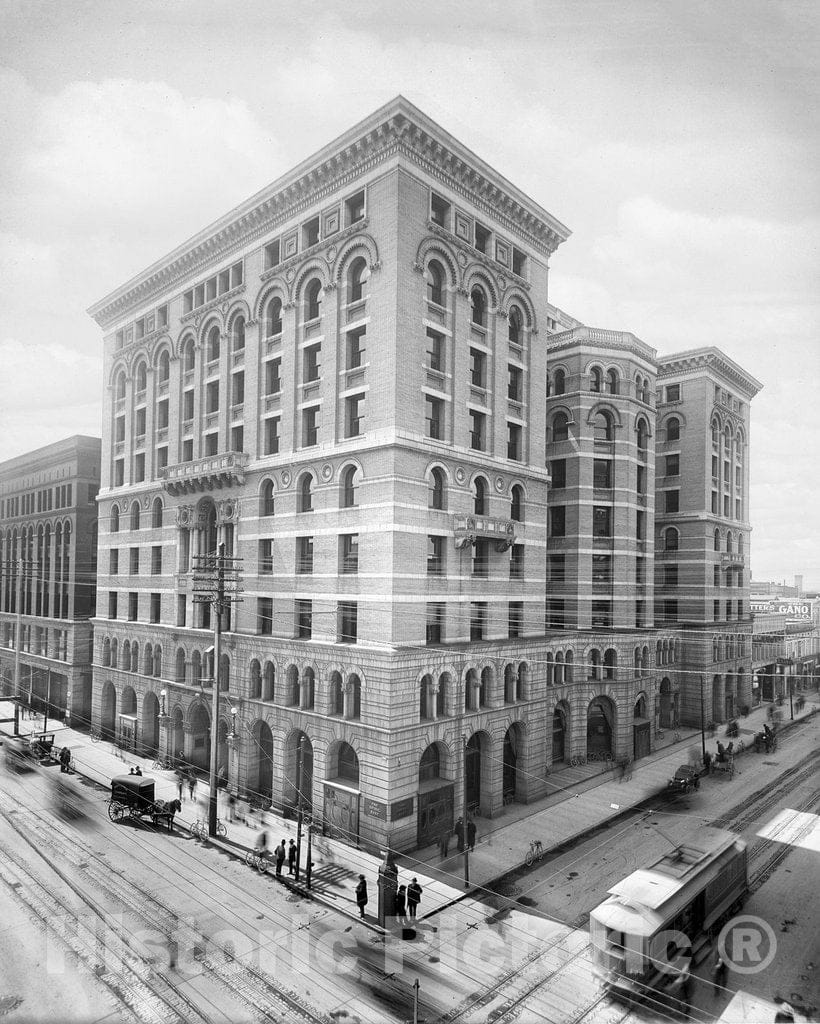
(397, 126)
(709, 357)
(49, 451)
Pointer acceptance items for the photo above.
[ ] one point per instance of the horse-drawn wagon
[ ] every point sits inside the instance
(132, 796)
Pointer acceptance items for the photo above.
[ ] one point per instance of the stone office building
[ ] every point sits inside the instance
(48, 568)
(356, 382)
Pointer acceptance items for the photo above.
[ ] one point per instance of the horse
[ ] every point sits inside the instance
(165, 809)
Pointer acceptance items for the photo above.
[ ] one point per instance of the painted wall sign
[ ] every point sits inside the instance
(375, 809)
(401, 809)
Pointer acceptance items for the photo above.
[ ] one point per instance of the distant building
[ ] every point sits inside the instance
(444, 490)
(48, 568)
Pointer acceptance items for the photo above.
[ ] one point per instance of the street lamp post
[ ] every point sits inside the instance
(464, 818)
(299, 804)
(702, 725)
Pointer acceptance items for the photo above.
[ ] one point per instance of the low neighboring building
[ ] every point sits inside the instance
(48, 575)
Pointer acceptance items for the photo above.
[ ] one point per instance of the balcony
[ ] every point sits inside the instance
(731, 560)
(468, 529)
(211, 473)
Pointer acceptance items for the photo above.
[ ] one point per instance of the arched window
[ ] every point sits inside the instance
(594, 663)
(269, 686)
(347, 487)
(610, 663)
(727, 438)
(559, 382)
(643, 436)
(157, 661)
(273, 317)
(435, 283)
(142, 378)
(673, 429)
(306, 493)
(479, 496)
(595, 379)
(212, 344)
(517, 504)
(717, 540)
(478, 302)
(255, 691)
(612, 382)
(560, 427)
(156, 513)
(120, 385)
(670, 539)
(135, 515)
(347, 763)
(356, 278)
(602, 427)
(515, 321)
(115, 518)
(106, 652)
(715, 432)
(740, 543)
(266, 505)
(188, 355)
(729, 542)
(313, 299)
(435, 489)
(164, 367)
(238, 334)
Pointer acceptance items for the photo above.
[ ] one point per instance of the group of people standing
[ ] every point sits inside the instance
(280, 854)
(465, 835)
(405, 901)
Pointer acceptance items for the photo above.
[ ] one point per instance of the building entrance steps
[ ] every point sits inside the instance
(589, 799)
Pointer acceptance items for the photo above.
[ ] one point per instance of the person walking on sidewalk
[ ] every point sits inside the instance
(400, 904)
(459, 831)
(470, 834)
(192, 784)
(720, 971)
(291, 857)
(180, 784)
(361, 895)
(444, 844)
(414, 891)
(280, 858)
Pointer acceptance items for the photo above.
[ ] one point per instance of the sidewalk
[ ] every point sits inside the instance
(586, 799)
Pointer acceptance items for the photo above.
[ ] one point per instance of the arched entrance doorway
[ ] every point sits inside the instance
(150, 724)
(513, 754)
(341, 807)
(108, 712)
(299, 771)
(665, 714)
(717, 699)
(477, 772)
(200, 752)
(435, 796)
(600, 727)
(560, 733)
(641, 729)
(729, 697)
(260, 767)
(177, 751)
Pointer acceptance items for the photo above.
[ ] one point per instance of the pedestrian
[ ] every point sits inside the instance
(444, 844)
(459, 831)
(414, 891)
(180, 784)
(221, 777)
(173, 944)
(137, 770)
(361, 895)
(291, 857)
(192, 784)
(400, 904)
(280, 858)
(720, 971)
(65, 760)
(261, 845)
(470, 834)
(231, 801)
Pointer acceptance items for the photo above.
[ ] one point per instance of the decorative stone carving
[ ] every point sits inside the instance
(227, 511)
(462, 258)
(285, 478)
(327, 471)
(461, 476)
(499, 484)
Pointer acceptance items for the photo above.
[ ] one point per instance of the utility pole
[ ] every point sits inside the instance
(702, 726)
(299, 803)
(18, 627)
(217, 584)
(464, 818)
(48, 699)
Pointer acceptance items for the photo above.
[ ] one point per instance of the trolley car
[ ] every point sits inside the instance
(665, 911)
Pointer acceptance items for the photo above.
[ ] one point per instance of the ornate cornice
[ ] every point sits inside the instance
(597, 338)
(398, 128)
(712, 359)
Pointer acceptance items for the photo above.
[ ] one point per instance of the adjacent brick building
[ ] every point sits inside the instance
(441, 487)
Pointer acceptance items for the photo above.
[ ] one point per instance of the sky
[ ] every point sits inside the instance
(678, 140)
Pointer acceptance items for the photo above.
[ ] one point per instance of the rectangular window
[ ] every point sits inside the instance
(112, 604)
(558, 470)
(556, 614)
(439, 211)
(716, 610)
(670, 575)
(738, 509)
(304, 555)
(119, 472)
(211, 444)
(264, 616)
(435, 556)
(640, 571)
(311, 363)
(715, 468)
(519, 262)
(162, 457)
(349, 553)
(435, 350)
(134, 561)
(181, 605)
(310, 233)
(434, 632)
(139, 467)
(515, 624)
(515, 383)
(139, 427)
(212, 396)
(602, 521)
(348, 622)
(602, 474)
(514, 438)
(113, 561)
(434, 417)
(188, 405)
(356, 347)
(162, 414)
(601, 570)
(156, 560)
(478, 620)
(641, 480)
(558, 568)
(601, 614)
(353, 415)
(481, 556)
(354, 208)
(188, 450)
(673, 392)
(238, 388)
(482, 238)
(272, 436)
(310, 429)
(672, 501)
(670, 610)
(715, 503)
(237, 438)
(738, 477)
(265, 556)
(727, 506)
(558, 521)
(673, 465)
(133, 606)
(478, 368)
(517, 562)
(155, 607)
(273, 380)
(716, 575)
(640, 526)
(272, 258)
(477, 430)
(304, 619)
